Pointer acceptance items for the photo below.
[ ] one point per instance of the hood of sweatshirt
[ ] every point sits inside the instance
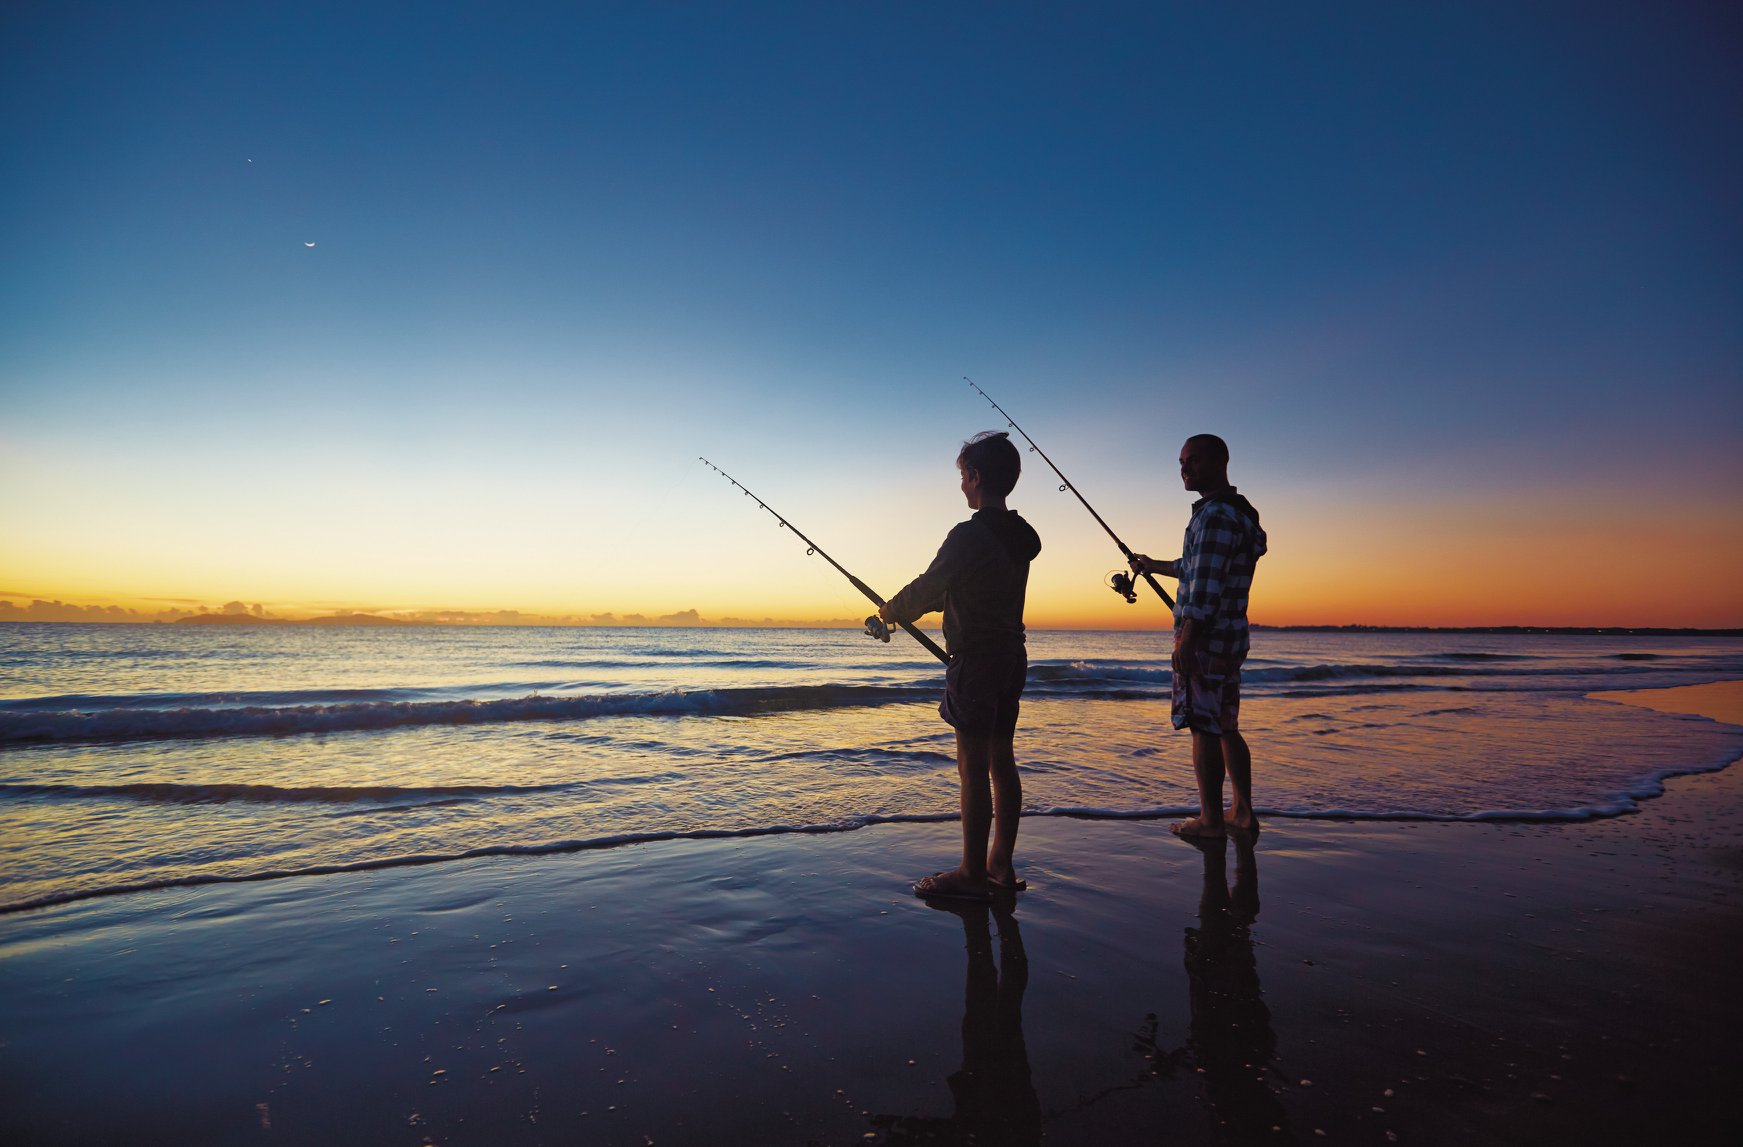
(1017, 537)
(1245, 509)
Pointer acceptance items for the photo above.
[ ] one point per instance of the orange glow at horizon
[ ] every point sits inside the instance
(1414, 590)
(1559, 560)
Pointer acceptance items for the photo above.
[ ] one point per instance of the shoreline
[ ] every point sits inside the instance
(1719, 701)
(1441, 982)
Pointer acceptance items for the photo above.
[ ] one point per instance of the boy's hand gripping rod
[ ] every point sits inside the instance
(874, 625)
(1121, 582)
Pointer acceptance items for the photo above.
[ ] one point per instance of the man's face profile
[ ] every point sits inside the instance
(1198, 464)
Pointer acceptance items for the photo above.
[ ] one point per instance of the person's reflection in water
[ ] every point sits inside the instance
(1231, 1039)
(995, 1097)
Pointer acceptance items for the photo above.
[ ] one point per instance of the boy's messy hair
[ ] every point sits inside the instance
(992, 455)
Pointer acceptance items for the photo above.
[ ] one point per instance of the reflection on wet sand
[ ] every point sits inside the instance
(1230, 1040)
(995, 1098)
(1230, 1045)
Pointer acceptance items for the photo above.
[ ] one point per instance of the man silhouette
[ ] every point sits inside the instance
(1223, 543)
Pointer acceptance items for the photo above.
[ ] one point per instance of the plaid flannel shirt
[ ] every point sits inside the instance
(1216, 563)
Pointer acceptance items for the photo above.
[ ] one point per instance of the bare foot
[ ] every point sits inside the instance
(1194, 827)
(1006, 880)
(1242, 822)
(952, 885)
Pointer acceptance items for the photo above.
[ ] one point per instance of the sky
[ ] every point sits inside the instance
(434, 307)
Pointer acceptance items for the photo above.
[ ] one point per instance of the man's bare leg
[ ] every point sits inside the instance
(1238, 761)
(1207, 766)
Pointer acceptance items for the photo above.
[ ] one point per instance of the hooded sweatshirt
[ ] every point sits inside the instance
(979, 580)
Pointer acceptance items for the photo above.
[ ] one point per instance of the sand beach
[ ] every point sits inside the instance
(1360, 982)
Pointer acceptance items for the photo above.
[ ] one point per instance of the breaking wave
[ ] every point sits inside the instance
(190, 721)
(171, 793)
(157, 716)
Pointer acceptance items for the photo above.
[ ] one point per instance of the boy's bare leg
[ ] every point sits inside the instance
(1238, 760)
(1207, 767)
(974, 776)
(977, 806)
(1007, 796)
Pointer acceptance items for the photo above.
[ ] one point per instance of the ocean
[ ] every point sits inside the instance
(145, 756)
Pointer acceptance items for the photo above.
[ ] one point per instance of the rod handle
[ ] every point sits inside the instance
(926, 641)
(1160, 592)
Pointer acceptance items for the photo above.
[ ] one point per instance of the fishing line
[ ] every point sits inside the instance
(1120, 582)
(875, 626)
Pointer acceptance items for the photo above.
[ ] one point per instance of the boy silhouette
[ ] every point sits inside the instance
(979, 579)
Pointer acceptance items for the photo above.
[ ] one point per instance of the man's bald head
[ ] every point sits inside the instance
(1204, 463)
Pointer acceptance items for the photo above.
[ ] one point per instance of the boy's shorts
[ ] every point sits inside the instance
(981, 691)
(1208, 703)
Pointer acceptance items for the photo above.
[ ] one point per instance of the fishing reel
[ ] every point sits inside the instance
(877, 627)
(1124, 584)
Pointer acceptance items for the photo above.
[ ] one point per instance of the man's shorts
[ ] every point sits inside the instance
(1208, 703)
(981, 691)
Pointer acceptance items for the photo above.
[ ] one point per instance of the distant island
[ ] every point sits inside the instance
(365, 619)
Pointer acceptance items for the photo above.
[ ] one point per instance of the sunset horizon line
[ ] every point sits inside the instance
(237, 612)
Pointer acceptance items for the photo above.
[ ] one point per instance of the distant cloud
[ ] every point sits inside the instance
(40, 610)
(777, 623)
(26, 607)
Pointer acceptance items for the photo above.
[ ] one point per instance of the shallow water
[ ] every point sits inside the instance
(145, 755)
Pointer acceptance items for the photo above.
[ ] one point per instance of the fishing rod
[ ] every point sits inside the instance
(1120, 582)
(875, 626)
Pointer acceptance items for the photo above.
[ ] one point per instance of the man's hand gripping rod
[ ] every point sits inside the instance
(1121, 582)
(874, 625)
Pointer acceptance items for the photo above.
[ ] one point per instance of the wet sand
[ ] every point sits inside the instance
(1342, 982)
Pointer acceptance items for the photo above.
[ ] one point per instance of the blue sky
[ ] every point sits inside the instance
(1460, 284)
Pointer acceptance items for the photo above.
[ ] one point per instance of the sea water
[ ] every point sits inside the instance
(141, 756)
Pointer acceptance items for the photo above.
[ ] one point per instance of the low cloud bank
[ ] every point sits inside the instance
(17, 607)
